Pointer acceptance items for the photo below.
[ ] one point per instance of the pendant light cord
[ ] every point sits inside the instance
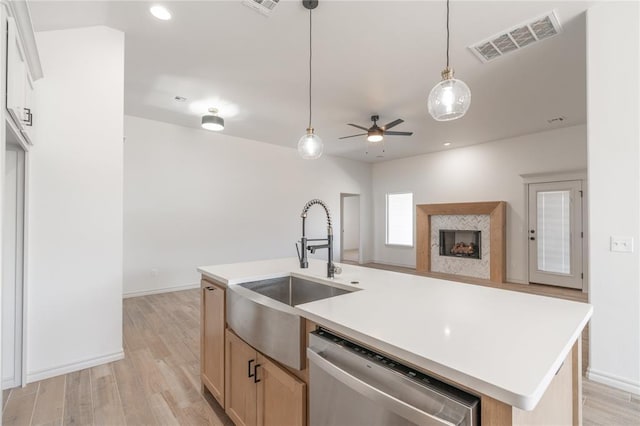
(310, 57)
(447, 34)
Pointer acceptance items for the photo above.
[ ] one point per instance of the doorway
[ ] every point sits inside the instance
(350, 228)
(555, 234)
(13, 264)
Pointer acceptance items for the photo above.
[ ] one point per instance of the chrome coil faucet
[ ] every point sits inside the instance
(302, 254)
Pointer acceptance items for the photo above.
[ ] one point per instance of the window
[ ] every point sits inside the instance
(400, 219)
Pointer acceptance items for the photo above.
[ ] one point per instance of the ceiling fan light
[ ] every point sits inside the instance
(449, 99)
(376, 137)
(310, 146)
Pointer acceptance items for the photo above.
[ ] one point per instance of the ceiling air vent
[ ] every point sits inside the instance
(517, 37)
(265, 7)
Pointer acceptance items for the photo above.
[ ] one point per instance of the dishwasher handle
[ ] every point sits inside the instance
(390, 402)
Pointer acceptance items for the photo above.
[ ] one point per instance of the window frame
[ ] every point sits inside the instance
(386, 220)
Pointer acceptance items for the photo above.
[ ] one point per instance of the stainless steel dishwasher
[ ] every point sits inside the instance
(350, 385)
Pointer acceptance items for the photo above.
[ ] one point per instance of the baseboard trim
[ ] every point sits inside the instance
(613, 381)
(160, 290)
(10, 383)
(76, 366)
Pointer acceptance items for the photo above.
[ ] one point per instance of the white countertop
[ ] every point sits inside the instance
(505, 344)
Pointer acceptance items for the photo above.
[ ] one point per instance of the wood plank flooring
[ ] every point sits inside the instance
(158, 382)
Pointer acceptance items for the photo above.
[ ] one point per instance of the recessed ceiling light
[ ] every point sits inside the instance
(160, 12)
(447, 144)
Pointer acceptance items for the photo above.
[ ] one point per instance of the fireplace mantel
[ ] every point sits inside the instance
(497, 211)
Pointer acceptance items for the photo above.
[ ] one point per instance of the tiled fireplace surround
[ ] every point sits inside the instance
(488, 217)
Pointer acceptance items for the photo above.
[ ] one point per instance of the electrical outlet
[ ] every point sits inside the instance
(622, 244)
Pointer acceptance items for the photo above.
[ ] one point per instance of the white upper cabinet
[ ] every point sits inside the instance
(19, 84)
(23, 67)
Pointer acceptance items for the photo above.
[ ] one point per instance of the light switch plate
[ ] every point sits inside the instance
(622, 244)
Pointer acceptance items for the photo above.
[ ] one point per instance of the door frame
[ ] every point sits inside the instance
(344, 195)
(561, 176)
(20, 352)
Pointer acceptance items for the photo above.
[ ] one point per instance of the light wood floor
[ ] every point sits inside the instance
(158, 382)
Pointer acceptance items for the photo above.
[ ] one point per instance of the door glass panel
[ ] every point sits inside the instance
(554, 231)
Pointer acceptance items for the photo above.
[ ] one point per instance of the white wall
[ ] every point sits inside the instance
(485, 172)
(74, 317)
(194, 197)
(613, 93)
(351, 225)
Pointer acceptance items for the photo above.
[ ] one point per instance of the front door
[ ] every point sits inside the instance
(555, 233)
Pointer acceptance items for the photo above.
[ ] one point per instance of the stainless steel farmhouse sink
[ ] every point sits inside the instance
(262, 314)
(292, 290)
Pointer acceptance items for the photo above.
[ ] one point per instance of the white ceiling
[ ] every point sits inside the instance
(370, 57)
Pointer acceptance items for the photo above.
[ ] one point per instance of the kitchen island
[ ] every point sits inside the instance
(519, 352)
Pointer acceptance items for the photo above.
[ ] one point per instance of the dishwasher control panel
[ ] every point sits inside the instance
(399, 368)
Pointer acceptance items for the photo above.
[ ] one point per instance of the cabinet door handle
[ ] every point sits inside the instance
(255, 374)
(29, 120)
(249, 373)
(210, 288)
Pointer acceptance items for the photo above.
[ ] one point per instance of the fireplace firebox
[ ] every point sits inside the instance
(460, 243)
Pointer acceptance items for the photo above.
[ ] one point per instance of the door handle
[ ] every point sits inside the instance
(255, 374)
(249, 373)
(29, 120)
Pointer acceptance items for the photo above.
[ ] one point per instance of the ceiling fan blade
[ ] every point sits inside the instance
(359, 127)
(394, 123)
(398, 133)
(353, 136)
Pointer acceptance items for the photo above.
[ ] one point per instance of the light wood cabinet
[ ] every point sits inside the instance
(240, 402)
(281, 396)
(212, 345)
(258, 391)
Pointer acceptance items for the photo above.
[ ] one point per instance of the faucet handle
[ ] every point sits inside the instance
(337, 269)
(298, 250)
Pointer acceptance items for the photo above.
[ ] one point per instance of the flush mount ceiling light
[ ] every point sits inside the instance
(310, 145)
(212, 121)
(447, 144)
(449, 99)
(160, 12)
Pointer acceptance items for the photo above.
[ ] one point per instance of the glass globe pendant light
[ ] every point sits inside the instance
(449, 99)
(310, 145)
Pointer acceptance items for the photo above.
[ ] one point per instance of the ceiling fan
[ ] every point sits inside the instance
(376, 133)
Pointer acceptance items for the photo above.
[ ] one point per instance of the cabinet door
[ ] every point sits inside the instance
(282, 397)
(240, 389)
(16, 75)
(212, 340)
